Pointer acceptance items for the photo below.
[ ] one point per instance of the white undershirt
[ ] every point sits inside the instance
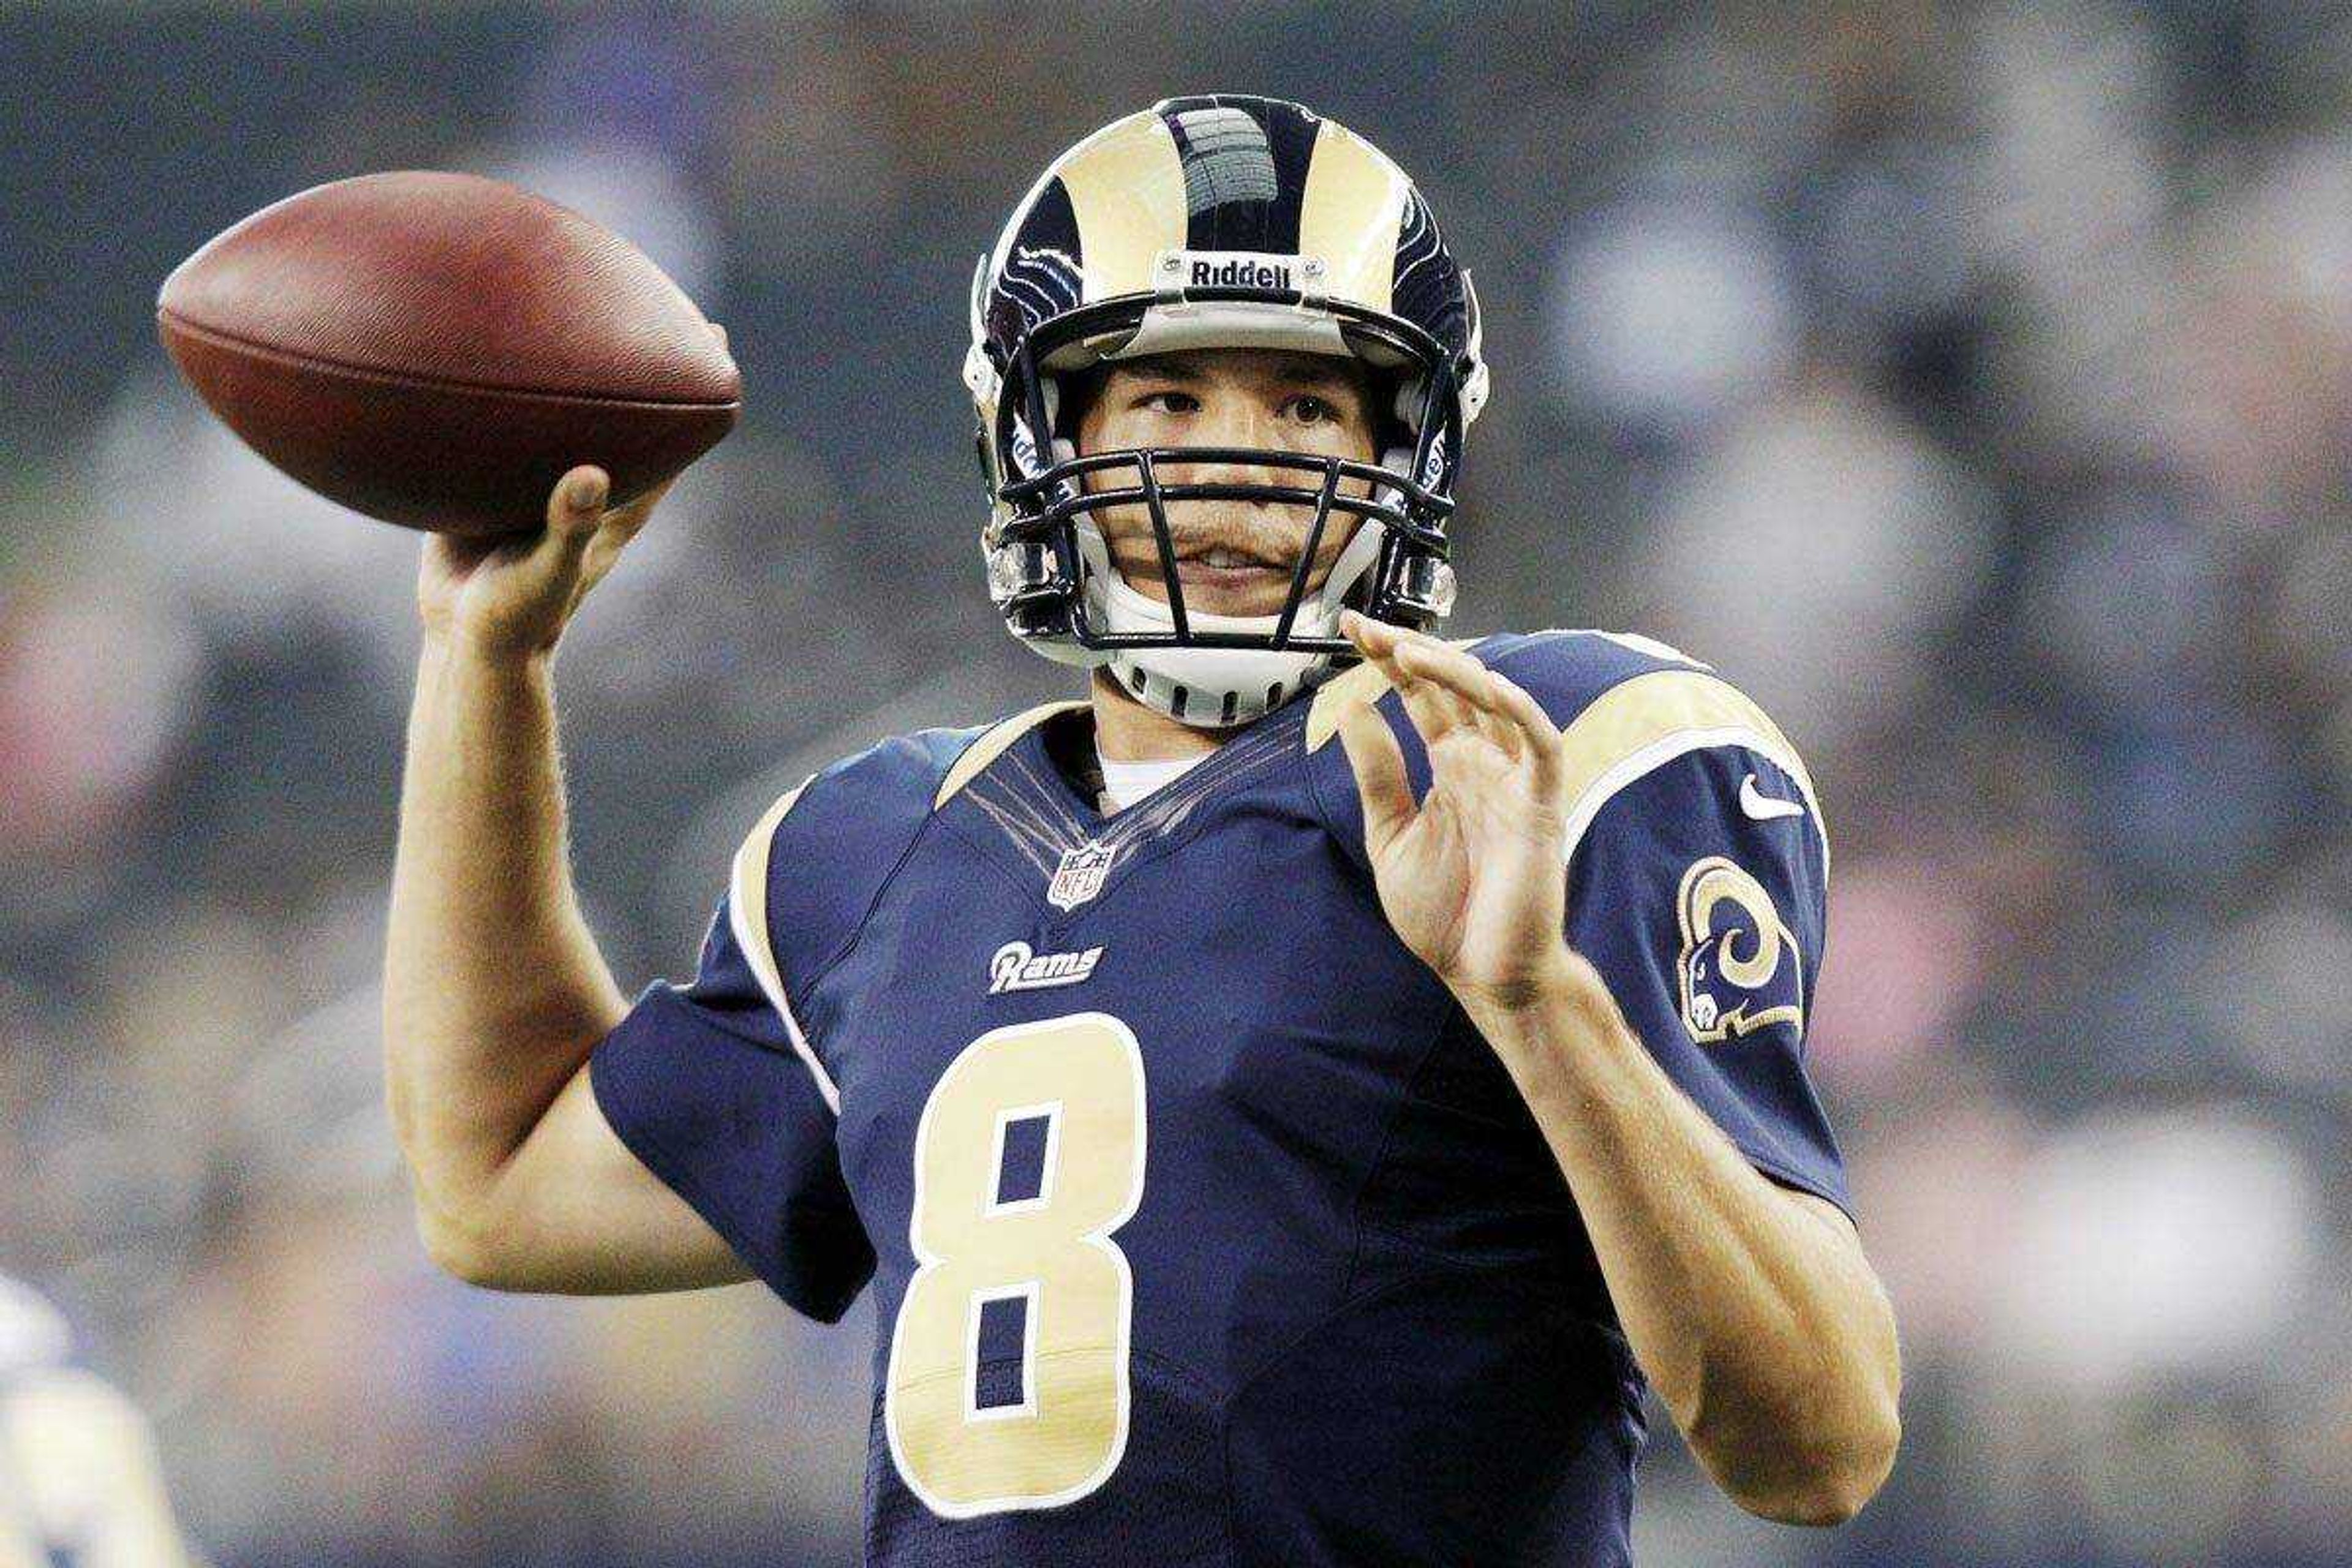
(1123, 783)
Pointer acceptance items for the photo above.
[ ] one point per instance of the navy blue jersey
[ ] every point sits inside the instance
(1203, 1228)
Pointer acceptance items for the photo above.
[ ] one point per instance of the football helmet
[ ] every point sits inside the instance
(1223, 221)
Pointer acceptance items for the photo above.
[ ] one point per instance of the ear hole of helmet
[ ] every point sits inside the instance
(1068, 396)
(1393, 416)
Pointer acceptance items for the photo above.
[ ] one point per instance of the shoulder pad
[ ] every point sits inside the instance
(1558, 668)
(810, 870)
(1627, 704)
(1562, 671)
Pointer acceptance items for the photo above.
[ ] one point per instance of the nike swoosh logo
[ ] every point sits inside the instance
(1764, 807)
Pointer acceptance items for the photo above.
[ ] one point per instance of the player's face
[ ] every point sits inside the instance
(1234, 557)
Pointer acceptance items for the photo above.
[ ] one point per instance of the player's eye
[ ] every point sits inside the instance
(1169, 400)
(1309, 409)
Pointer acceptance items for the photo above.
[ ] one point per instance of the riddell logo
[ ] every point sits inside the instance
(1238, 271)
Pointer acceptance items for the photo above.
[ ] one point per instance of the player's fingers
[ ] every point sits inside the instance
(545, 568)
(1462, 715)
(1494, 721)
(1541, 734)
(1370, 636)
(1424, 703)
(1457, 682)
(719, 333)
(1376, 641)
(1379, 763)
(622, 523)
(575, 508)
(1478, 689)
(1462, 682)
(1432, 712)
(1463, 675)
(613, 533)
(597, 559)
(1440, 653)
(1494, 717)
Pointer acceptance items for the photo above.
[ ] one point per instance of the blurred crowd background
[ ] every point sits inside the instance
(1973, 383)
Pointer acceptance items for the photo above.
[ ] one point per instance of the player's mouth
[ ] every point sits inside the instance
(1240, 571)
(1224, 568)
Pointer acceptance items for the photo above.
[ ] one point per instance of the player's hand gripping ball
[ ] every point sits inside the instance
(436, 350)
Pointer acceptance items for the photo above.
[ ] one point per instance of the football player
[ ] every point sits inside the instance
(1289, 1103)
(78, 1480)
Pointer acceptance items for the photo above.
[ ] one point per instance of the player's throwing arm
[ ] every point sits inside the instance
(494, 990)
(445, 353)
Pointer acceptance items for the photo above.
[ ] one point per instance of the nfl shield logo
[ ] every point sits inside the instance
(1081, 875)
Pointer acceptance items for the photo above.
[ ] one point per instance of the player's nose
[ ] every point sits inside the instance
(1241, 423)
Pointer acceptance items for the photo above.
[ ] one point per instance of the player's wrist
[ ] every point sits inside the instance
(464, 648)
(1552, 980)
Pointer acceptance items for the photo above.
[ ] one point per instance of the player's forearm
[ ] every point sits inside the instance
(494, 990)
(1760, 1324)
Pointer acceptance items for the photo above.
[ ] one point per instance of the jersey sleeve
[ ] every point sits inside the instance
(713, 1088)
(1698, 869)
(1705, 920)
(1697, 879)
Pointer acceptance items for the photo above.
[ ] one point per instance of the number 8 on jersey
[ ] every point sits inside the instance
(1049, 1253)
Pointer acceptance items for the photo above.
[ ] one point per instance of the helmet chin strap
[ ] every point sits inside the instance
(1206, 686)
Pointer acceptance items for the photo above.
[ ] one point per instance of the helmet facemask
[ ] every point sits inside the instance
(1051, 571)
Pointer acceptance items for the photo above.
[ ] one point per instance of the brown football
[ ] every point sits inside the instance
(436, 349)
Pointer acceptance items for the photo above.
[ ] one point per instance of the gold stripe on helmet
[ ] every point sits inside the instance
(1126, 184)
(1353, 207)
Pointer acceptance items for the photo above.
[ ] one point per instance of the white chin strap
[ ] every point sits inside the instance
(1214, 686)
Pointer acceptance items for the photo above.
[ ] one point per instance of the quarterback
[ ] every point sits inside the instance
(1288, 1104)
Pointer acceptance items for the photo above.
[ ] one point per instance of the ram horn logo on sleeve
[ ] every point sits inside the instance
(1740, 970)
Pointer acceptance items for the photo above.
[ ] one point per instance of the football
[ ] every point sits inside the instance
(436, 349)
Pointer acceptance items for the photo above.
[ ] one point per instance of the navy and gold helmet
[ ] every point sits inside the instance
(1221, 221)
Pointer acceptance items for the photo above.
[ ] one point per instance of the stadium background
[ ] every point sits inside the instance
(1970, 384)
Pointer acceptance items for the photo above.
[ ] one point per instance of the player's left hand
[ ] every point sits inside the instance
(1473, 878)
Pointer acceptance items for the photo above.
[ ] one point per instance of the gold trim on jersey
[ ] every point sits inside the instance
(1126, 186)
(747, 906)
(1640, 723)
(1364, 683)
(992, 744)
(1349, 214)
(1622, 735)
